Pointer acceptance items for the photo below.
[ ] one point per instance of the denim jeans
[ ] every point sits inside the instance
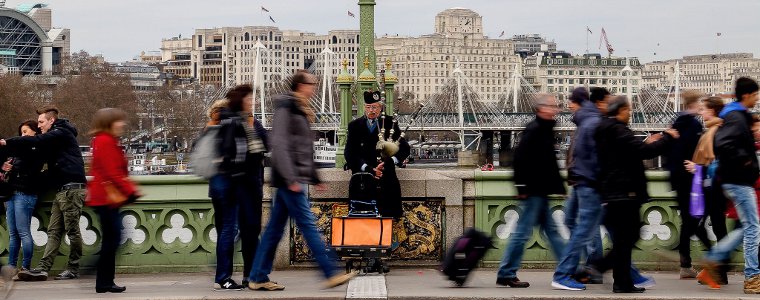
(19, 218)
(225, 221)
(534, 211)
(248, 193)
(745, 201)
(585, 203)
(296, 205)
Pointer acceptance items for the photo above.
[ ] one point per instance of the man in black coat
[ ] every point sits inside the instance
(362, 155)
(66, 171)
(623, 185)
(689, 130)
(536, 177)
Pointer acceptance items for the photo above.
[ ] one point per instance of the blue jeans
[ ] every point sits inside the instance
(584, 202)
(19, 218)
(745, 201)
(297, 206)
(225, 221)
(535, 211)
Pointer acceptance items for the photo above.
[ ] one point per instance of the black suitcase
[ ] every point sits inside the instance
(465, 254)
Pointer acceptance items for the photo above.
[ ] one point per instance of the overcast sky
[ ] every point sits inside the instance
(121, 29)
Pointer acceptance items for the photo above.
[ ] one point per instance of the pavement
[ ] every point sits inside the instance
(413, 284)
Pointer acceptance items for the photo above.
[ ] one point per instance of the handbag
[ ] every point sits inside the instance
(697, 196)
(113, 195)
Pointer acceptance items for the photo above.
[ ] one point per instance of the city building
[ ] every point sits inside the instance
(559, 73)
(142, 76)
(30, 44)
(424, 64)
(227, 56)
(530, 44)
(709, 73)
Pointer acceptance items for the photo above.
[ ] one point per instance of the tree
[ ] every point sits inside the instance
(88, 85)
(19, 99)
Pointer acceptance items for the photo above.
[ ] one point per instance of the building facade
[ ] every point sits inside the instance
(560, 73)
(424, 64)
(709, 73)
(530, 44)
(30, 45)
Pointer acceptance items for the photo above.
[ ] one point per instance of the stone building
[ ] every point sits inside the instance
(709, 73)
(558, 73)
(424, 64)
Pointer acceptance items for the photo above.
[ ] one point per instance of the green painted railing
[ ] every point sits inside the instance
(497, 210)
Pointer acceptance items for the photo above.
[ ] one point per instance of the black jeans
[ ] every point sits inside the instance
(715, 208)
(623, 223)
(689, 225)
(248, 192)
(110, 226)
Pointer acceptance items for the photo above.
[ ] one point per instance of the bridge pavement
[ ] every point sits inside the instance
(416, 284)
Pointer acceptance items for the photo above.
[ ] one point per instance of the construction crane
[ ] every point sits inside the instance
(603, 37)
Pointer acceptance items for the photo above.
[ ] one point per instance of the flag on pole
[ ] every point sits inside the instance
(350, 14)
(264, 9)
(502, 34)
(589, 30)
(719, 33)
(270, 17)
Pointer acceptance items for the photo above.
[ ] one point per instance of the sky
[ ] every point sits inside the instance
(648, 29)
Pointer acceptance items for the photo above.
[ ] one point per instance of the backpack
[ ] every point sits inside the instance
(205, 157)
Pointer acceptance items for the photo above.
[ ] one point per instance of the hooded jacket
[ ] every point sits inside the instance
(236, 160)
(64, 159)
(735, 146)
(291, 144)
(536, 169)
(621, 155)
(585, 166)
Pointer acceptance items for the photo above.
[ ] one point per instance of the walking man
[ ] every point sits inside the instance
(737, 172)
(293, 169)
(536, 177)
(66, 168)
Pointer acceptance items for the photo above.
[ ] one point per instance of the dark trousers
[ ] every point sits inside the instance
(110, 226)
(689, 225)
(715, 208)
(623, 223)
(248, 193)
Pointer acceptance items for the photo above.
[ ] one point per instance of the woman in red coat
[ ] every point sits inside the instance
(109, 189)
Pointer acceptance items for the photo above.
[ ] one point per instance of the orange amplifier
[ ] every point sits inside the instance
(362, 231)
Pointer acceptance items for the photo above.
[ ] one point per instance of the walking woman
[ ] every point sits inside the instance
(23, 174)
(109, 189)
(704, 155)
(238, 189)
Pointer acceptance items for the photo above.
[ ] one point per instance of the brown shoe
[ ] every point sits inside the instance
(752, 285)
(688, 273)
(512, 282)
(266, 286)
(339, 280)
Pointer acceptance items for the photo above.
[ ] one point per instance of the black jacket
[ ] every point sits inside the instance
(233, 147)
(291, 144)
(735, 149)
(360, 150)
(621, 155)
(689, 130)
(536, 169)
(26, 174)
(361, 143)
(63, 157)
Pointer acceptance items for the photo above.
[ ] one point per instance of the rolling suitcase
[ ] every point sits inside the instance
(465, 254)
